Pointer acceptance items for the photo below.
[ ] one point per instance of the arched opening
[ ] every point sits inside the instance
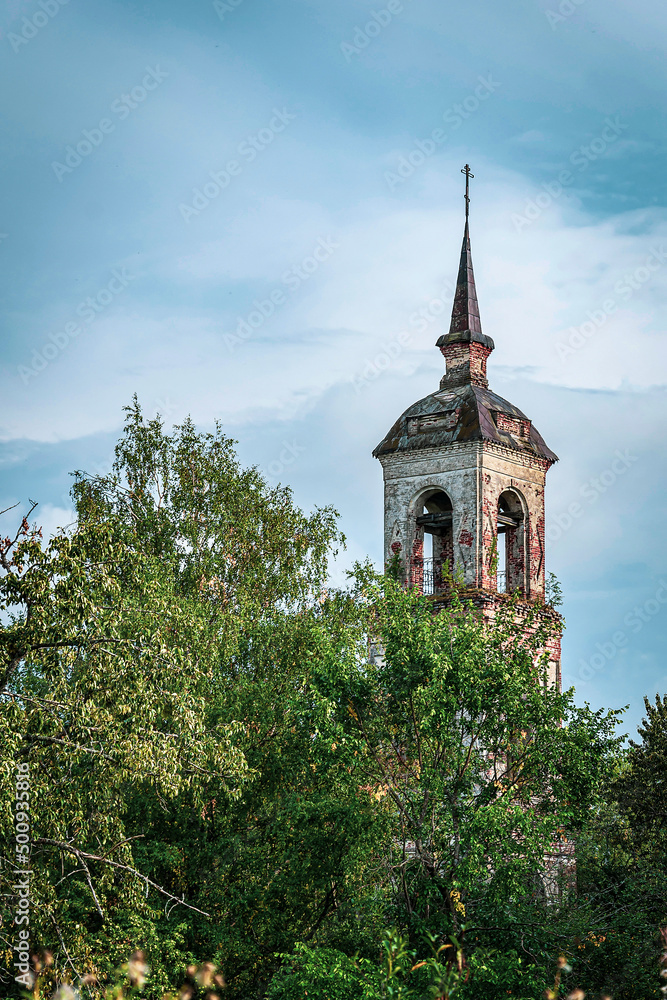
(509, 556)
(434, 549)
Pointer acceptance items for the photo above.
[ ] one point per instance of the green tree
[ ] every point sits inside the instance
(641, 788)
(98, 699)
(622, 871)
(219, 770)
(482, 769)
(153, 660)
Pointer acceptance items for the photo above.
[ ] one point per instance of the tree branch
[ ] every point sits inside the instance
(84, 856)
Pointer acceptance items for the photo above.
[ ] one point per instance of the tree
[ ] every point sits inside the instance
(219, 771)
(98, 698)
(641, 789)
(482, 769)
(623, 868)
(143, 659)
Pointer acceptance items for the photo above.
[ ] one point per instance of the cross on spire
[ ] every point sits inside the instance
(468, 172)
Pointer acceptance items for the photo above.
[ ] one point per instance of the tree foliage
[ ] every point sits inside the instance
(143, 657)
(641, 789)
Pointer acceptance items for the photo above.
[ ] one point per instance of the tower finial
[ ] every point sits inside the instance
(468, 172)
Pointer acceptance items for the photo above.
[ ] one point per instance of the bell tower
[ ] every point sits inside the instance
(464, 472)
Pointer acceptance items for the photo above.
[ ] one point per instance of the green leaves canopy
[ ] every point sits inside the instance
(219, 769)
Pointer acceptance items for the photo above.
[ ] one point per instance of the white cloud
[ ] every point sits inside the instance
(550, 283)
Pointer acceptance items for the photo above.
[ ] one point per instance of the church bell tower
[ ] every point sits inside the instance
(464, 473)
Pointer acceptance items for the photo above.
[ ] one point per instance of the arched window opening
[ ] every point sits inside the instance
(509, 552)
(434, 523)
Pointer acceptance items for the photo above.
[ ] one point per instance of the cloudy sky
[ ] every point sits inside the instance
(236, 208)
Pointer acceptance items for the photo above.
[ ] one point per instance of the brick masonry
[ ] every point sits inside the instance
(465, 363)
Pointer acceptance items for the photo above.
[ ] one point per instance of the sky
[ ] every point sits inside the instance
(237, 209)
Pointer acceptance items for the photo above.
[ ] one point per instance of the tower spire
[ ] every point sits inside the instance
(465, 326)
(465, 313)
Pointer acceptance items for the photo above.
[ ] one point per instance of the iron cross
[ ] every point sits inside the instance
(467, 171)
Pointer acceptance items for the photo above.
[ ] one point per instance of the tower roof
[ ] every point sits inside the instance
(466, 325)
(460, 416)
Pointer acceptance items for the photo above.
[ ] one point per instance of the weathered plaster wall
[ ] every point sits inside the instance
(474, 476)
(408, 477)
(524, 476)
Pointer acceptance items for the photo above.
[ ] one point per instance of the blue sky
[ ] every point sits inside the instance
(271, 294)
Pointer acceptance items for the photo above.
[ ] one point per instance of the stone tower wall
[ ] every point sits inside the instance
(473, 476)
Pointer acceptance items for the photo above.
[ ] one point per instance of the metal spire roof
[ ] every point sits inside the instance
(466, 325)
(465, 313)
